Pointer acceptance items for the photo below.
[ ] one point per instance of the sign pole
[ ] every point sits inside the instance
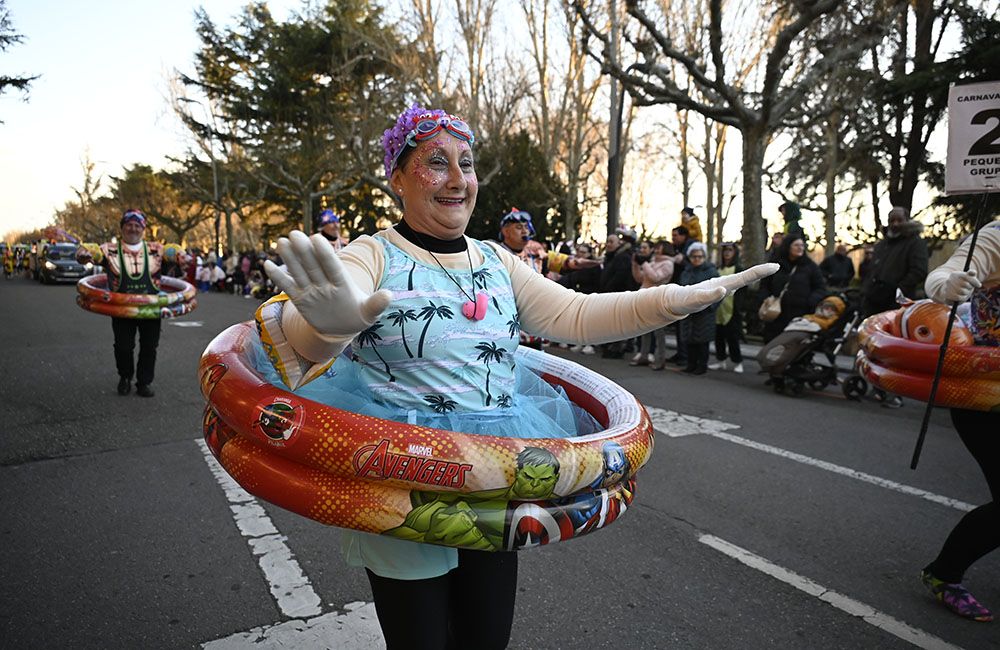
(944, 345)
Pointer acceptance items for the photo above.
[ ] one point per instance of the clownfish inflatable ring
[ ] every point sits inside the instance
(899, 353)
(176, 298)
(421, 484)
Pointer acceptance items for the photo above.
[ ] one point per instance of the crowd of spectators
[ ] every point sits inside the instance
(239, 273)
(628, 263)
(897, 261)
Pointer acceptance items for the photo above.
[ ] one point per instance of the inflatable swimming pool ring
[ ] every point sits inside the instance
(173, 290)
(970, 376)
(380, 476)
(137, 311)
(176, 299)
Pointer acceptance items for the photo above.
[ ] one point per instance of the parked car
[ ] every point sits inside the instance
(60, 265)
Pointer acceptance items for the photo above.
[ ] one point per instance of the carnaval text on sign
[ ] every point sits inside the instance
(973, 164)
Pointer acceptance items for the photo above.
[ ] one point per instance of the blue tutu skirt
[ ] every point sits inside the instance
(540, 410)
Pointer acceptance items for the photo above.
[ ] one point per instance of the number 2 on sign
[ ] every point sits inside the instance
(989, 144)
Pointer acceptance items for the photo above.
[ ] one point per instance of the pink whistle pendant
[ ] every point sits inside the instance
(476, 310)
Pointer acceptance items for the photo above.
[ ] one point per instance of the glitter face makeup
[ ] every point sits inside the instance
(438, 186)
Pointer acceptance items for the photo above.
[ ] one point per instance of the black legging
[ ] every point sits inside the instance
(472, 606)
(728, 335)
(149, 337)
(978, 532)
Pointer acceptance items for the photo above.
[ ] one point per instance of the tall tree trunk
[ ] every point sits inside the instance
(720, 177)
(570, 204)
(307, 211)
(832, 143)
(709, 168)
(873, 185)
(229, 229)
(685, 166)
(180, 234)
(898, 114)
(922, 62)
(615, 133)
(754, 228)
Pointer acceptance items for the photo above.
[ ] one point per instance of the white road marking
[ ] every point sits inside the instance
(845, 604)
(357, 627)
(354, 629)
(688, 425)
(289, 586)
(185, 323)
(677, 425)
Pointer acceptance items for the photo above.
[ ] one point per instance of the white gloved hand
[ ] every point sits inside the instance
(318, 285)
(690, 299)
(959, 285)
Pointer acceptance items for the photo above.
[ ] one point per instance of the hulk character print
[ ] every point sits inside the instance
(478, 520)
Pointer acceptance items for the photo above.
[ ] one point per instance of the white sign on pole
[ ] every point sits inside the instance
(973, 164)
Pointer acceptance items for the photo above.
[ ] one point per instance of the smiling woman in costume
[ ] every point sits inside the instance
(432, 318)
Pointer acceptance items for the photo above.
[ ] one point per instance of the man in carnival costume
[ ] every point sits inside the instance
(133, 266)
(432, 318)
(516, 233)
(329, 227)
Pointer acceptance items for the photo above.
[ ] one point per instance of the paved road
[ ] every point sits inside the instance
(761, 520)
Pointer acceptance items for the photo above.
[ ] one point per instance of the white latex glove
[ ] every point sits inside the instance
(690, 299)
(318, 285)
(958, 286)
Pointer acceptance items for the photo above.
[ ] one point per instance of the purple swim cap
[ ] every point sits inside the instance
(418, 123)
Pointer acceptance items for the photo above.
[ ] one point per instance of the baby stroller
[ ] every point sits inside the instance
(791, 358)
(854, 386)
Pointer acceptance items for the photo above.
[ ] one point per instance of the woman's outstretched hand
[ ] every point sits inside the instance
(690, 299)
(318, 285)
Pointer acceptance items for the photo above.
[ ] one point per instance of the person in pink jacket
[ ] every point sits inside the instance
(651, 267)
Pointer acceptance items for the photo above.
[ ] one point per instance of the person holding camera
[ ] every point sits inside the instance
(651, 267)
(616, 276)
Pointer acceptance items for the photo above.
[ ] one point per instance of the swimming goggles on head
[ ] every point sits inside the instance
(328, 217)
(428, 126)
(518, 216)
(134, 215)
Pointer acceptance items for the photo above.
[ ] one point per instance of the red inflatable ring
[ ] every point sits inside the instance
(429, 485)
(176, 299)
(970, 377)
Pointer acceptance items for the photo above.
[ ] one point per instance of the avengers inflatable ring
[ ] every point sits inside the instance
(421, 484)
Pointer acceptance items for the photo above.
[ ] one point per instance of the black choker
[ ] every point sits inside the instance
(432, 244)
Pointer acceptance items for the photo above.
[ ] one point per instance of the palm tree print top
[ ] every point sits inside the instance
(423, 354)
